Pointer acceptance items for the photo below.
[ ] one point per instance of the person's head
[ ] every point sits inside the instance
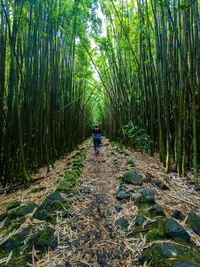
(96, 126)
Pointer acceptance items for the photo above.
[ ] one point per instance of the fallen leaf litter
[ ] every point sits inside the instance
(90, 236)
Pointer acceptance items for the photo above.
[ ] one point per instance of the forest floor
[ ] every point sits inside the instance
(102, 228)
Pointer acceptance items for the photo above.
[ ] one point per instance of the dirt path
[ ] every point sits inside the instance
(91, 236)
(96, 232)
(99, 229)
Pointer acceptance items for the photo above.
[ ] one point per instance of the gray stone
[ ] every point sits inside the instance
(132, 178)
(122, 187)
(194, 221)
(178, 215)
(161, 185)
(123, 195)
(170, 251)
(122, 222)
(140, 220)
(86, 190)
(56, 196)
(67, 264)
(147, 196)
(118, 208)
(130, 162)
(156, 211)
(176, 231)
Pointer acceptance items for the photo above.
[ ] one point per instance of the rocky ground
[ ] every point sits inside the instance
(115, 209)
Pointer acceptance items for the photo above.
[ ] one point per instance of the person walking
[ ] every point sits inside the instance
(96, 136)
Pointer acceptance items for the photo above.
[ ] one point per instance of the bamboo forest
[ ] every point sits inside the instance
(132, 68)
(149, 69)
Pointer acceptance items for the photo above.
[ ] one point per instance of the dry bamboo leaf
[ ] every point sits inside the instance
(172, 259)
(9, 257)
(162, 206)
(178, 244)
(148, 265)
(33, 256)
(41, 263)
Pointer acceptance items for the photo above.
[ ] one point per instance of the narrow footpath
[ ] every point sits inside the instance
(115, 209)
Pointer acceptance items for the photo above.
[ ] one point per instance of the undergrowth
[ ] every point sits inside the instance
(136, 137)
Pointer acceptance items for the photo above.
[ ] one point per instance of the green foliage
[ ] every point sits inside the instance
(46, 82)
(137, 137)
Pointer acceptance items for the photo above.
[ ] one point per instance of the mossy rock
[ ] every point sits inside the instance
(156, 211)
(159, 255)
(78, 162)
(55, 196)
(157, 230)
(16, 241)
(177, 214)
(143, 206)
(43, 239)
(14, 226)
(77, 170)
(64, 188)
(147, 196)
(21, 211)
(13, 205)
(45, 210)
(71, 175)
(132, 178)
(141, 218)
(3, 216)
(161, 185)
(70, 179)
(194, 222)
(130, 162)
(42, 214)
(53, 202)
(29, 208)
(176, 231)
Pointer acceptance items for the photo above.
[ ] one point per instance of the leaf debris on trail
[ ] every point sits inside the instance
(99, 230)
